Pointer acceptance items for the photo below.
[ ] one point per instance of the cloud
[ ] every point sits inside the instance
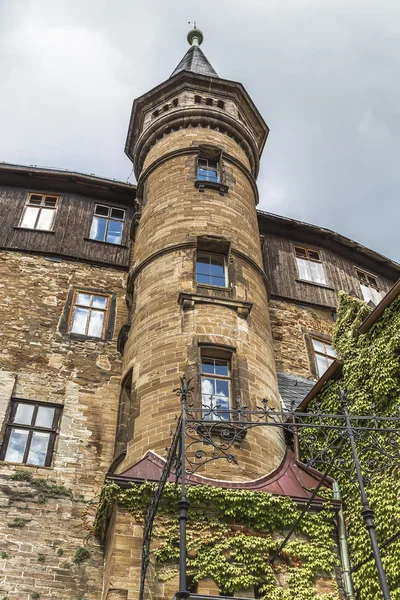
(324, 74)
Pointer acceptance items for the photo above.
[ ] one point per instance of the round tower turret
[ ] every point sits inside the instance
(197, 285)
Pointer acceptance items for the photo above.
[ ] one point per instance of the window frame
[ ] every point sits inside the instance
(41, 207)
(106, 312)
(10, 425)
(226, 274)
(321, 261)
(375, 287)
(325, 341)
(108, 218)
(216, 354)
(217, 168)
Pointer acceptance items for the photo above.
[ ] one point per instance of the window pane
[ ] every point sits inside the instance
(38, 449)
(45, 416)
(207, 386)
(317, 272)
(114, 233)
(304, 272)
(220, 281)
(366, 292)
(45, 219)
(222, 388)
(30, 216)
(102, 211)
(300, 252)
(221, 367)
(23, 414)
(35, 199)
(314, 255)
(203, 278)
(98, 229)
(330, 351)
(80, 319)
(322, 364)
(50, 201)
(207, 365)
(96, 323)
(99, 302)
(376, 296)
(83, 299)
(117, 213)
(217, 266)
(203, 266)
(319, 346)
(16, 445)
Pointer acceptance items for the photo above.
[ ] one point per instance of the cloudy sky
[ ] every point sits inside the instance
(323, 73)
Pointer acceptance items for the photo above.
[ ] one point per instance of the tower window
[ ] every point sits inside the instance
(89, 314)
(220, 104)
(207, 170)
(39, 212)
(30, 433)
(197, 99)
(369, 287)
(209, 101)
(324, 355)
(215, 389)
(211, 269)
(310, 265)
(175, 102)
(107, 224)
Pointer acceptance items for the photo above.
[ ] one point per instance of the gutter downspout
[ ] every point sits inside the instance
(343, 547)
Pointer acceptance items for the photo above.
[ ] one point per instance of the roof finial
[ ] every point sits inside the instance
(195, 36)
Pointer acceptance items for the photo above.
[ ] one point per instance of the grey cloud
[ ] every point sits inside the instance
(324, 74)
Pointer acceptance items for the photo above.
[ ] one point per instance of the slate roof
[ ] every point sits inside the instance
(293, 389)
(195, 62)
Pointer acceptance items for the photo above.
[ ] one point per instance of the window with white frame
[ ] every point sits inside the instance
(211, 269)
(324, 355)
(207, 170)
(215, 388)
(310, 265)
(107, 224)
(30, 433)
(369, 287)
(89, 314)
(39, 212)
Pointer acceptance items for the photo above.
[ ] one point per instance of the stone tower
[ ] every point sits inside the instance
(197, 289)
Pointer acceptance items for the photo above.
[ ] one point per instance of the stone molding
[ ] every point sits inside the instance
(188, 302)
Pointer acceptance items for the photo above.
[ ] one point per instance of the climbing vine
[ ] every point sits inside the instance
(231, 535)
(371, 374)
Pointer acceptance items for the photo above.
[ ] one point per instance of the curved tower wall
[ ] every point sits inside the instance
(175, 320)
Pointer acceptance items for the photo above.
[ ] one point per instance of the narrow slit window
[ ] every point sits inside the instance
(324, 355)
(39, 212)
(89, 314)
(369, 287)
(215, 389)
(310, 265)
(211, 269)
(30, 433)
(107, 224)
(207, 170)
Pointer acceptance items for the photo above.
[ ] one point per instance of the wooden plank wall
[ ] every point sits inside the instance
(71, 227)
(281, 269)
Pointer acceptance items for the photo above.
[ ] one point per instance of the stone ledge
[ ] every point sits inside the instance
(202, 184)
(188, 301)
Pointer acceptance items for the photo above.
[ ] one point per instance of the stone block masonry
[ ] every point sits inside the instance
(41, 527)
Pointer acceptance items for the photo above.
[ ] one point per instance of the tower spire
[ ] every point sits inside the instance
(194, 59)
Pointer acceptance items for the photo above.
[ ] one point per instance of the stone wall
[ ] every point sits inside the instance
(40, 363)
(292, 326)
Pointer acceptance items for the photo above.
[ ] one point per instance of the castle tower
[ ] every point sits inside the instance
(197, 288)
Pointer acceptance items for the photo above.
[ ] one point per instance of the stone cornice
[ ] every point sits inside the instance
(188, 301)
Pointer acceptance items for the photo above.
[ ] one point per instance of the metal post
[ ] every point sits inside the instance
(183, 505)
(367, 512)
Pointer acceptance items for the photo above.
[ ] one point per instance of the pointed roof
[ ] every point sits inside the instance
(195, 61)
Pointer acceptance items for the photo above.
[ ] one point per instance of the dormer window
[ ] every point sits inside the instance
(310, 265)
(207, 170)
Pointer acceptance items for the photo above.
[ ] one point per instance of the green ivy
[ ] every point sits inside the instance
(371, 374)
(230, 536)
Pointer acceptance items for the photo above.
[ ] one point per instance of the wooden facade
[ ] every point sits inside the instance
(280, 236)
(69, 236)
